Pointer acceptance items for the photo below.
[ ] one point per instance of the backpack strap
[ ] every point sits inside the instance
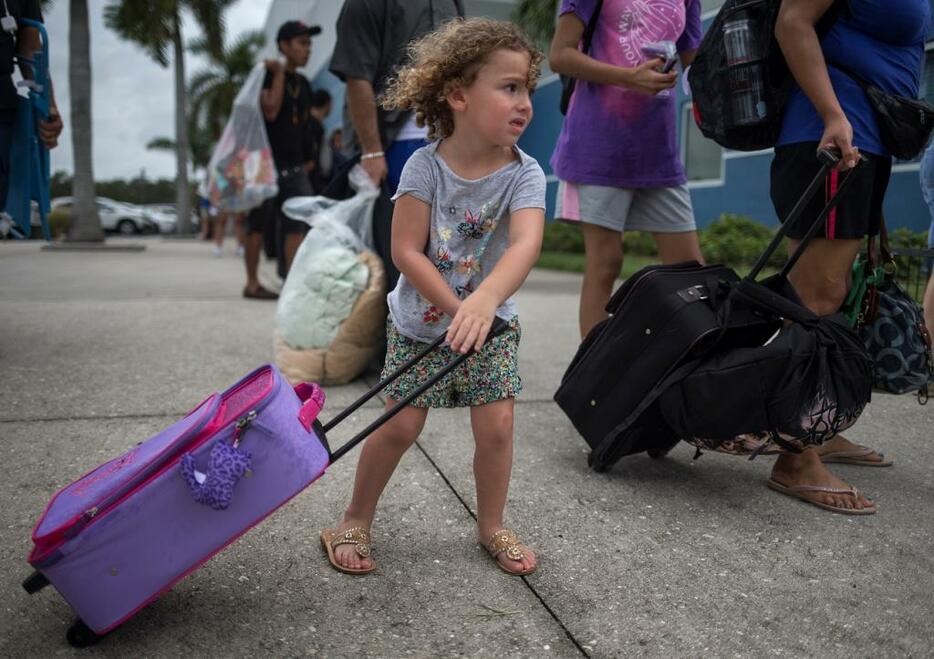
(587, 39)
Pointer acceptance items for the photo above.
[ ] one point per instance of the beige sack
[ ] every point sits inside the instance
(358, 341)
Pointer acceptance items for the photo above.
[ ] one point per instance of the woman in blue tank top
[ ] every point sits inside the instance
(883, 42)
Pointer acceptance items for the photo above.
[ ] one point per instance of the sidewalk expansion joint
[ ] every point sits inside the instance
(567, 632)
(96, 417)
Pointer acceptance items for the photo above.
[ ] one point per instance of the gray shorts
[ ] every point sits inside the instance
(657, 210)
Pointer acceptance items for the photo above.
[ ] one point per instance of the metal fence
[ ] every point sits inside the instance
(913, 268)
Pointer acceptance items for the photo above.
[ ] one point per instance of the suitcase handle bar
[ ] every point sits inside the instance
(829, 159)
(499, 326)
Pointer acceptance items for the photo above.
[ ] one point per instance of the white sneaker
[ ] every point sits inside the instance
(239, 251)
(218, 251)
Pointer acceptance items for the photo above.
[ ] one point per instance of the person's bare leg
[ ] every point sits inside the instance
(220, 228)
(378, 460)
(292, 242)
(603, 259)
(240, 230)
(820, 278)
(254, 245)
(492, 425)
(678, 247)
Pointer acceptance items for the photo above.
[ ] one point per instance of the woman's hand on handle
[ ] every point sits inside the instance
(838, 135)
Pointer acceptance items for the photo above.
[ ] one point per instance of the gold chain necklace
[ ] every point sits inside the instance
(294, 93)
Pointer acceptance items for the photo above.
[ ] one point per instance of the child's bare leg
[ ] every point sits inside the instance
(378, 459)
(492, 463)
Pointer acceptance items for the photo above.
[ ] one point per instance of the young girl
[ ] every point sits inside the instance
(466, 230)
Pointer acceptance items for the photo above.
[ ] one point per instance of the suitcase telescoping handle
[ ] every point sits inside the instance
(499, 326)
(829, 159)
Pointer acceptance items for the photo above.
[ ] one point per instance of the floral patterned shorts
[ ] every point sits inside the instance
(488, 376)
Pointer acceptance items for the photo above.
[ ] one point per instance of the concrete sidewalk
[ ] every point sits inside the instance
(658, 558)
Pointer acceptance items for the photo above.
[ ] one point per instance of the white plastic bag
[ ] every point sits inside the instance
(327, 275)
(356, 212)
(241, 173)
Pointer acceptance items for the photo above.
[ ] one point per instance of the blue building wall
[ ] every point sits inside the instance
(743, 188)
(744, 184)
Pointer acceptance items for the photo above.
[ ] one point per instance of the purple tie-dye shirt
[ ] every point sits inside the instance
(614, 136)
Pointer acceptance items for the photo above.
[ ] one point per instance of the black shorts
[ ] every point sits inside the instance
(860, 208)
(296, 184)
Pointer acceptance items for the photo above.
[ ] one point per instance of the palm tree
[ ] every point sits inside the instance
(537, 17)
(85, 222)
(155, 25)
(212, 90)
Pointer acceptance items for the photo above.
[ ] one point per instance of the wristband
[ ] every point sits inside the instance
(374, 154)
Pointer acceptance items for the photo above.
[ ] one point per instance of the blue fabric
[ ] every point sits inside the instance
(396, 157)
(881, 40)
(6, 140)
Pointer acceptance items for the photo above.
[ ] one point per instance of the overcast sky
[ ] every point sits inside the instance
(133, 97)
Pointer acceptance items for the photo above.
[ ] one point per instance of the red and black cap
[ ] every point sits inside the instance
(292, 29)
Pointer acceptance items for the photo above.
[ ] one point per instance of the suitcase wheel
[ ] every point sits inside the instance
(35, 582)
(598, 467)
(659, 452)
(79, 635)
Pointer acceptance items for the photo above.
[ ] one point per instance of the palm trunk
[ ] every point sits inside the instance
(182, 194)
(85, 222)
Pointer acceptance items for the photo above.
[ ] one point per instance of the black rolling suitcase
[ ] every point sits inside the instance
(660, 317)
(664, 320)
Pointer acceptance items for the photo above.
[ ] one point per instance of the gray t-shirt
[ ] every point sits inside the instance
(469, 231)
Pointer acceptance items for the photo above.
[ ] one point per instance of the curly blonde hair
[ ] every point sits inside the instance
(450, 58)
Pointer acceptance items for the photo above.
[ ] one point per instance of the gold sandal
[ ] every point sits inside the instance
(359, 537)
(507, 541)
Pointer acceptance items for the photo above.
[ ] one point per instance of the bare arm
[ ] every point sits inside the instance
(795, 33)
(687, 58)
(270, 100)
(474, 318)
(361, 101)
(565, 58)
(411, 222)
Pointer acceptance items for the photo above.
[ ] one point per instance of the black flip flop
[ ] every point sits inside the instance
(260, 294)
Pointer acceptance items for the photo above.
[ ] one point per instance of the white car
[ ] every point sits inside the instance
(163, 215)
(125, 219)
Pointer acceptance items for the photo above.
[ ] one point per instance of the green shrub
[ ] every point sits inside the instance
(908, 239)
(59, 221)
(563, 238)
(640, 242)
(567, 238)
(737, 240)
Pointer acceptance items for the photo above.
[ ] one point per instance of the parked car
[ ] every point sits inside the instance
(166, 218)
(163, 215)
(125, 219)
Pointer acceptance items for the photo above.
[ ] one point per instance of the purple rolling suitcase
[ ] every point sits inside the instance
(121, 535)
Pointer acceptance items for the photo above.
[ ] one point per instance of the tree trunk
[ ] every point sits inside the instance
(182, 193)
(85, 222)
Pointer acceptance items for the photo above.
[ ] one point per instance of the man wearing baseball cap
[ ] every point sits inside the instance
(286, 102)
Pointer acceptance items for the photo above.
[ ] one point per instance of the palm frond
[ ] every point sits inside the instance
(161, 144)
(149, 24)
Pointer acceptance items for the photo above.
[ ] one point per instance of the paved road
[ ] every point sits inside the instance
(656, 558)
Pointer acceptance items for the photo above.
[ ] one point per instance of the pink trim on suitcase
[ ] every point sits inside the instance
(234, 404)
(313, 395)
(45, 544)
